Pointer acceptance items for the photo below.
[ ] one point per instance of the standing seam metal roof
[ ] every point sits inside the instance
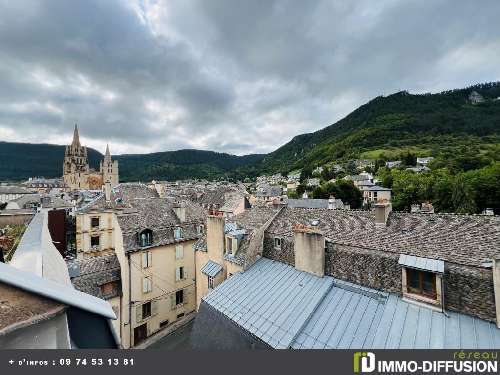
(426, 264)
(211, 269)
(287, 308)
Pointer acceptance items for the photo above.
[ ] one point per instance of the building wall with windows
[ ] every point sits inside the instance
(95, 233)
(162, 287)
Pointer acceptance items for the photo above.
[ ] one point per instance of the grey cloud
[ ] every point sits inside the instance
(226, 75)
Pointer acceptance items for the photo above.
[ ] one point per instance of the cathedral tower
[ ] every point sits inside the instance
(109, 169)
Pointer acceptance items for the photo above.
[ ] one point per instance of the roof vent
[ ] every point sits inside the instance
(315, 222)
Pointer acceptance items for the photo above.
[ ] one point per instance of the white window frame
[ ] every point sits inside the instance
(178, 276)
(179, 251)
(178, 233)
(147, 259)
(147, 284)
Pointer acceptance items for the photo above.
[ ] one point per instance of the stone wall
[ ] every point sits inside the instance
(372, 269)
(467, 290)
(285, 254)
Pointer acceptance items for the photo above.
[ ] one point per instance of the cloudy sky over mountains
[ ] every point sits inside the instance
(224, 75)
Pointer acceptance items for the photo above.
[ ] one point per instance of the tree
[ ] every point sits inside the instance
(463, 196)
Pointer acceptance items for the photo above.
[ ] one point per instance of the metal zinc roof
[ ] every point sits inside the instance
(211, 268)
(352, 316)
(59, 292)
(271, 300)
(426, 264)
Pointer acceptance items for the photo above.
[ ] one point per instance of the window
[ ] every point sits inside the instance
(146, 238)
(180, 315)
(146, 310)
(94, 222)
(147, 284)
(210, 282)
(179, 252)
(164, 323)
(178, 233)
(421, 283)
(180, 274)
(109, 288)
(200, 229)
(277, 242)
(229, 245)
(94, 242)
(179, 297)
(147, 259)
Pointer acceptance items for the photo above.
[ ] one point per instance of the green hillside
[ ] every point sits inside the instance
(19, 161)
(425, 124)
(182, 164)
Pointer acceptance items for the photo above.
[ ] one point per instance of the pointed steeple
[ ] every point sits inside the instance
(76, 138)
(108, 155)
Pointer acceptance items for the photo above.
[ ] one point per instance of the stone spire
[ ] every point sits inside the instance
(76, 138)
(108, 155)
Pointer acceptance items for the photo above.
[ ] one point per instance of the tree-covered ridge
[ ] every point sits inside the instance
(397, 121)
(19, 161)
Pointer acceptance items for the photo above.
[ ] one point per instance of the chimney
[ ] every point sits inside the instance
(215, 238)
(331, 203)
(107, 191)
(382, 211)
(309, 248)
(180, 211)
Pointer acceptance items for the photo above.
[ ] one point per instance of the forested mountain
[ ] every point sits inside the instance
(19, 161)
(424, 123)
(459, 134)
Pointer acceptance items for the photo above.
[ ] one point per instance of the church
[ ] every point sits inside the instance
(77, 175)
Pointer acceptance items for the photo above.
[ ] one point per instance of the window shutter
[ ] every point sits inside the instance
(185, 274)
(138, 313)
(184, 297)
(145, 285)
(172, 301)
(150, 258)
(144, 260)
(177, 274)
(154, 307)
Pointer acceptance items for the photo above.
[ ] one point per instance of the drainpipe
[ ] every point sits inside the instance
(129, 302)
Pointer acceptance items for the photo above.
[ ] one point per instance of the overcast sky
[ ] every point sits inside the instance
(225, 75)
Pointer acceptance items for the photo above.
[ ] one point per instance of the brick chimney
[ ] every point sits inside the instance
(309, 248)
(180, 211)
(382, 211)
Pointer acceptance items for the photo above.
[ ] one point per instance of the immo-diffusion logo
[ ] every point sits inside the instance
(461, 362)
(364, 362)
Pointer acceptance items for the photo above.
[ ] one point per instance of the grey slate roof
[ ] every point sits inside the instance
(459, 239)
(211, 268)
(426, 264)
(286, 308)
(88, 275)
(307, 203)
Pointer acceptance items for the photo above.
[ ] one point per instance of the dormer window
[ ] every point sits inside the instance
(178, 233)
(422, 279)
(421, 283)
(229, 245)
(146, 238)
(200, 229)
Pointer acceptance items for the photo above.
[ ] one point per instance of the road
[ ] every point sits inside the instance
(177, 340)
